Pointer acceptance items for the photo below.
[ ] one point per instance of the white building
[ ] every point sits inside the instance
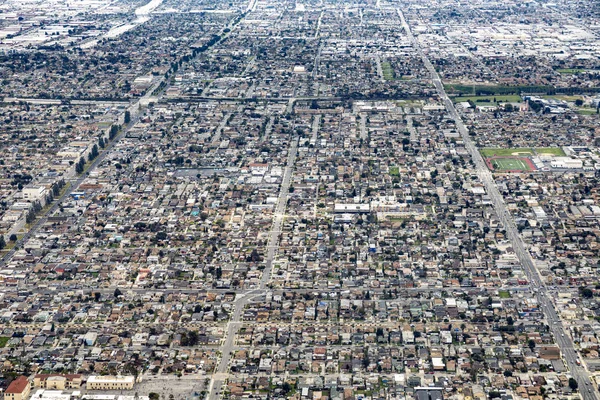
(110, 382)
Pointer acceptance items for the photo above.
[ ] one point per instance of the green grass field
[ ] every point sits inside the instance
(3, 341)
(570, 71)
(510, 164)
(586, 111)
(388, 72)
(555, 151)
(491, 100)
(394, 171)
(491, 152)
(504, 294)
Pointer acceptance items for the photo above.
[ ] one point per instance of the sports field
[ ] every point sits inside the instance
(510, 164)
(495, 152)
(520, 151)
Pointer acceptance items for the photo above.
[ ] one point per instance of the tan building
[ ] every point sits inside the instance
(110, 382)
(57, 381)
(18, 389)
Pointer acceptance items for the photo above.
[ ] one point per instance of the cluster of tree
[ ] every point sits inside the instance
(94, 153)
(189, 338)
(57, 186)
(114, 131)
(21, 180)
(254, 256)
(36, 207)
(80, 165)
(55, 191)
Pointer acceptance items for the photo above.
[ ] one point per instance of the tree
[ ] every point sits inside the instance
(2, 242)
(587, 293)
(80, 165)
(161, 235)
(94, 153)
(114, 130)
(13, 238)
(573, 384)
(579, 102)
(127, 117)
(531, 344)
(118, 292)
(153, 396)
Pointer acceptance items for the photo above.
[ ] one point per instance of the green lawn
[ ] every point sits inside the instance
(586, 112)
(510, 164)
(3, 341)
(504, 294)
(491, 90)
(569, 71)
(491, 100)
(495, 152)
(388, 72)
(394, 171)
(555, 151)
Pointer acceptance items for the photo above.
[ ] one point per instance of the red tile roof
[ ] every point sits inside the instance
(18, 385)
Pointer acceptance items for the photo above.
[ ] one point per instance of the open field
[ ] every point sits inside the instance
(589, 111)
(569, 71)
(564, 97)
(394, 171)
(555, 151)
(490, 152)
(388, 72)
(3, 341)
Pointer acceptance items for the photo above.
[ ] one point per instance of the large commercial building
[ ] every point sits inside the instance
(110, 382)
(18, 389)
(57, 381)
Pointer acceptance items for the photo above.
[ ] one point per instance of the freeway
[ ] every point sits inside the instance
(587, 389)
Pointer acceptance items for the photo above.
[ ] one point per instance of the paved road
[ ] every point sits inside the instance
(325, 291)
(587, 389)
(363, 125)
(220, 376)
(411, 128)
(279, 213)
